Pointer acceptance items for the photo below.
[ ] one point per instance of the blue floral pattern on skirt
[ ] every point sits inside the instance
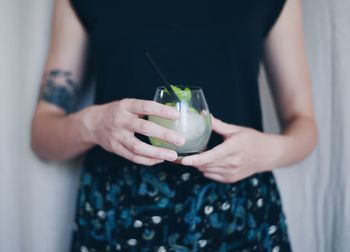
(169, 207)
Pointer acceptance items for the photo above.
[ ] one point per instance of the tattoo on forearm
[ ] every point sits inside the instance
(60, 89)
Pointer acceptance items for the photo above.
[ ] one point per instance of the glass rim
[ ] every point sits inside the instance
(192, 88)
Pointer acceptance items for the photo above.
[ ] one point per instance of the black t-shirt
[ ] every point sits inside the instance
(216, 45)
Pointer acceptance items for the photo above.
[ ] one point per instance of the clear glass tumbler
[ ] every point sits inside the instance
(194, 123)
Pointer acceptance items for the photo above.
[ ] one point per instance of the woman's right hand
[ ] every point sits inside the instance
(113, 126)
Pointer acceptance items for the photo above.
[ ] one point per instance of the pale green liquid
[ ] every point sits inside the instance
(194, 126)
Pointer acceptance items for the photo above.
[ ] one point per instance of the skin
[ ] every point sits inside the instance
(246, 151)
(112, 126)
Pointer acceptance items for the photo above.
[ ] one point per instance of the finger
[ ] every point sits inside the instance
(215, 176)
(223, 128)
(144, 107)
(219, 170)
(138, 159)
(206, 157)
(232, 161)
(152, 129)
(140, 148)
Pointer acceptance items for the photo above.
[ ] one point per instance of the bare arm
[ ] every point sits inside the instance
(246, 151)
(59, 133)
(288, 73)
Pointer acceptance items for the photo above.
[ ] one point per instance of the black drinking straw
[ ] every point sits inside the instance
(162, 76)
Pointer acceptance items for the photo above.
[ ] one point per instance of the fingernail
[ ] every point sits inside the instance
(171, 156)
(180, 141)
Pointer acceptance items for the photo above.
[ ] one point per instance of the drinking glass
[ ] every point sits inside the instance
(194, 122)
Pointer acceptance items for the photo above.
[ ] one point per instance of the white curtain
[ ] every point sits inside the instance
(37, 199)
(316, 192)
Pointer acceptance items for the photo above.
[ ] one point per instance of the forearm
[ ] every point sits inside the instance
(296, 142)
(61, 137)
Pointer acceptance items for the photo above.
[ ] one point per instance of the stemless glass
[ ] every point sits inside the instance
(194, 122)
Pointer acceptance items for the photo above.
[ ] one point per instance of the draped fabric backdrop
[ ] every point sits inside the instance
(37, 198)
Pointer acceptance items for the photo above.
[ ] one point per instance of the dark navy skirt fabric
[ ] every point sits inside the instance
(170, 207)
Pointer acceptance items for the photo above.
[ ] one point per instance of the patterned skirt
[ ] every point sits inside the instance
(169, 207)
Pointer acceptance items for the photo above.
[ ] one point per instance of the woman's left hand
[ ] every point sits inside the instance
(244, 152)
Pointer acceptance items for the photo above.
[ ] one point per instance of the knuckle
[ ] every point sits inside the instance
(144, 127)
(144, 107)
(135, 147)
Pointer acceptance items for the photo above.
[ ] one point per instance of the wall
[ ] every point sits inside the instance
(37, 198)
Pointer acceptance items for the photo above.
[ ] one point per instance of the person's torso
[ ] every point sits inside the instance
(216, 45)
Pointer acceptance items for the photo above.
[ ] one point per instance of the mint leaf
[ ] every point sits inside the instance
(176, 89)
(187, 94)
(184, 95)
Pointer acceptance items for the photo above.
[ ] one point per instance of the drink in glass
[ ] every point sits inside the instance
(194, 123)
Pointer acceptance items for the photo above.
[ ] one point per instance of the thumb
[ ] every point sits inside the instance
(223, 128)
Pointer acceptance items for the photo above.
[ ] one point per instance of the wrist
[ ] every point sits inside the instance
(88, 119)
(276, 150)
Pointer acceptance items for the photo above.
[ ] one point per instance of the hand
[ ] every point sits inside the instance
(244, 152)
(113, 126)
